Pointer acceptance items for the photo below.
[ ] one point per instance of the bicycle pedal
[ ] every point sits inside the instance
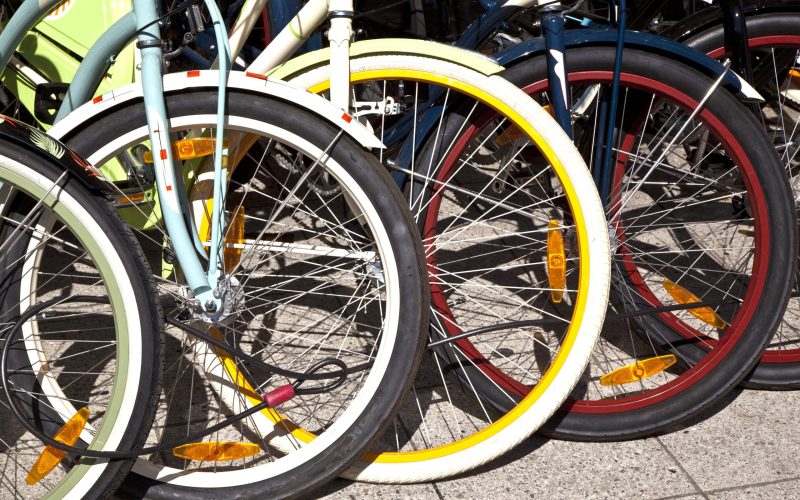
(47, 101)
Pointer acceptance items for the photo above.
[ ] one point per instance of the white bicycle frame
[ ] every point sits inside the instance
(286, 43)
(308, 19)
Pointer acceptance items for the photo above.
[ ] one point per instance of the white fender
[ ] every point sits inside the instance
(208, 79)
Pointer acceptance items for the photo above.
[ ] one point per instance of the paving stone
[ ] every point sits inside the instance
(749, 449)
(781, 489)
(342, 489)
(558, 469)
(753, 440)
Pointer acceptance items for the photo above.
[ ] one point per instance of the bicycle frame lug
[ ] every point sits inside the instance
(149, 43)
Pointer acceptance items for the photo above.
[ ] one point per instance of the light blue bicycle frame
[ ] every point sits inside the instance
(186, 242)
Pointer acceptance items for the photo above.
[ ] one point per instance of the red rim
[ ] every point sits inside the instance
(734, 332)
(772, 356)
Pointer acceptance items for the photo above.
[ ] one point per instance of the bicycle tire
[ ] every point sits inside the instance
(33, 263)
(768, 33)
(688, 391)
(363, 182)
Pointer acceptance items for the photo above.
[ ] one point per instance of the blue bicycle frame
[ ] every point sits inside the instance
(554, 44)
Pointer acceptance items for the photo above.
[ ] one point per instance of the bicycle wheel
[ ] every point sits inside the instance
(699, 280)
(81, 332)
(323, 263)
(504, 217)
(775, 48)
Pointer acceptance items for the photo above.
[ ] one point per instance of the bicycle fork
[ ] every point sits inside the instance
(171, 191)
(553, 27)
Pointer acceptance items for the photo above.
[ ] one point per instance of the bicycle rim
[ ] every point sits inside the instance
(322, 280)
(74, 354)
(466, 439)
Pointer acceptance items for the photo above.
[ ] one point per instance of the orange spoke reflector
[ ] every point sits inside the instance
(134, 197)
(52, 456)
(509, 135)
(684, 296)
(217, 451)
(234, 236)
(513, 133)
(556, 262)
(639, 370)
(186, 149)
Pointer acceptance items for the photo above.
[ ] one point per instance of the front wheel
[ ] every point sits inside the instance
(517, 252)
(80, 326)
(323, 266)
(703, 228)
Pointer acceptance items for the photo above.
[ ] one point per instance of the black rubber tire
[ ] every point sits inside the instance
(703, 393)
(141, 280)
(406, 247)
(766, 375)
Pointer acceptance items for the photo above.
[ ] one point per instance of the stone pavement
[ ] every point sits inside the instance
(749, 449)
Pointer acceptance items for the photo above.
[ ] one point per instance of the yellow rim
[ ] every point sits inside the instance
(580, 303)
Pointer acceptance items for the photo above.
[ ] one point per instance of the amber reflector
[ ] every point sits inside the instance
(684, 296)
(134, 197)
(234, 236)
(639, 370)
(509, 135)
(217, 451)
(234, 239)
(52, 456)
(186, 149)
(512, 133)
(556, 262)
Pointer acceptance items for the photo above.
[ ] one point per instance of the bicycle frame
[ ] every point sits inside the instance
(313, 14)
(170, 190)
(308, 19)
(289, 39)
